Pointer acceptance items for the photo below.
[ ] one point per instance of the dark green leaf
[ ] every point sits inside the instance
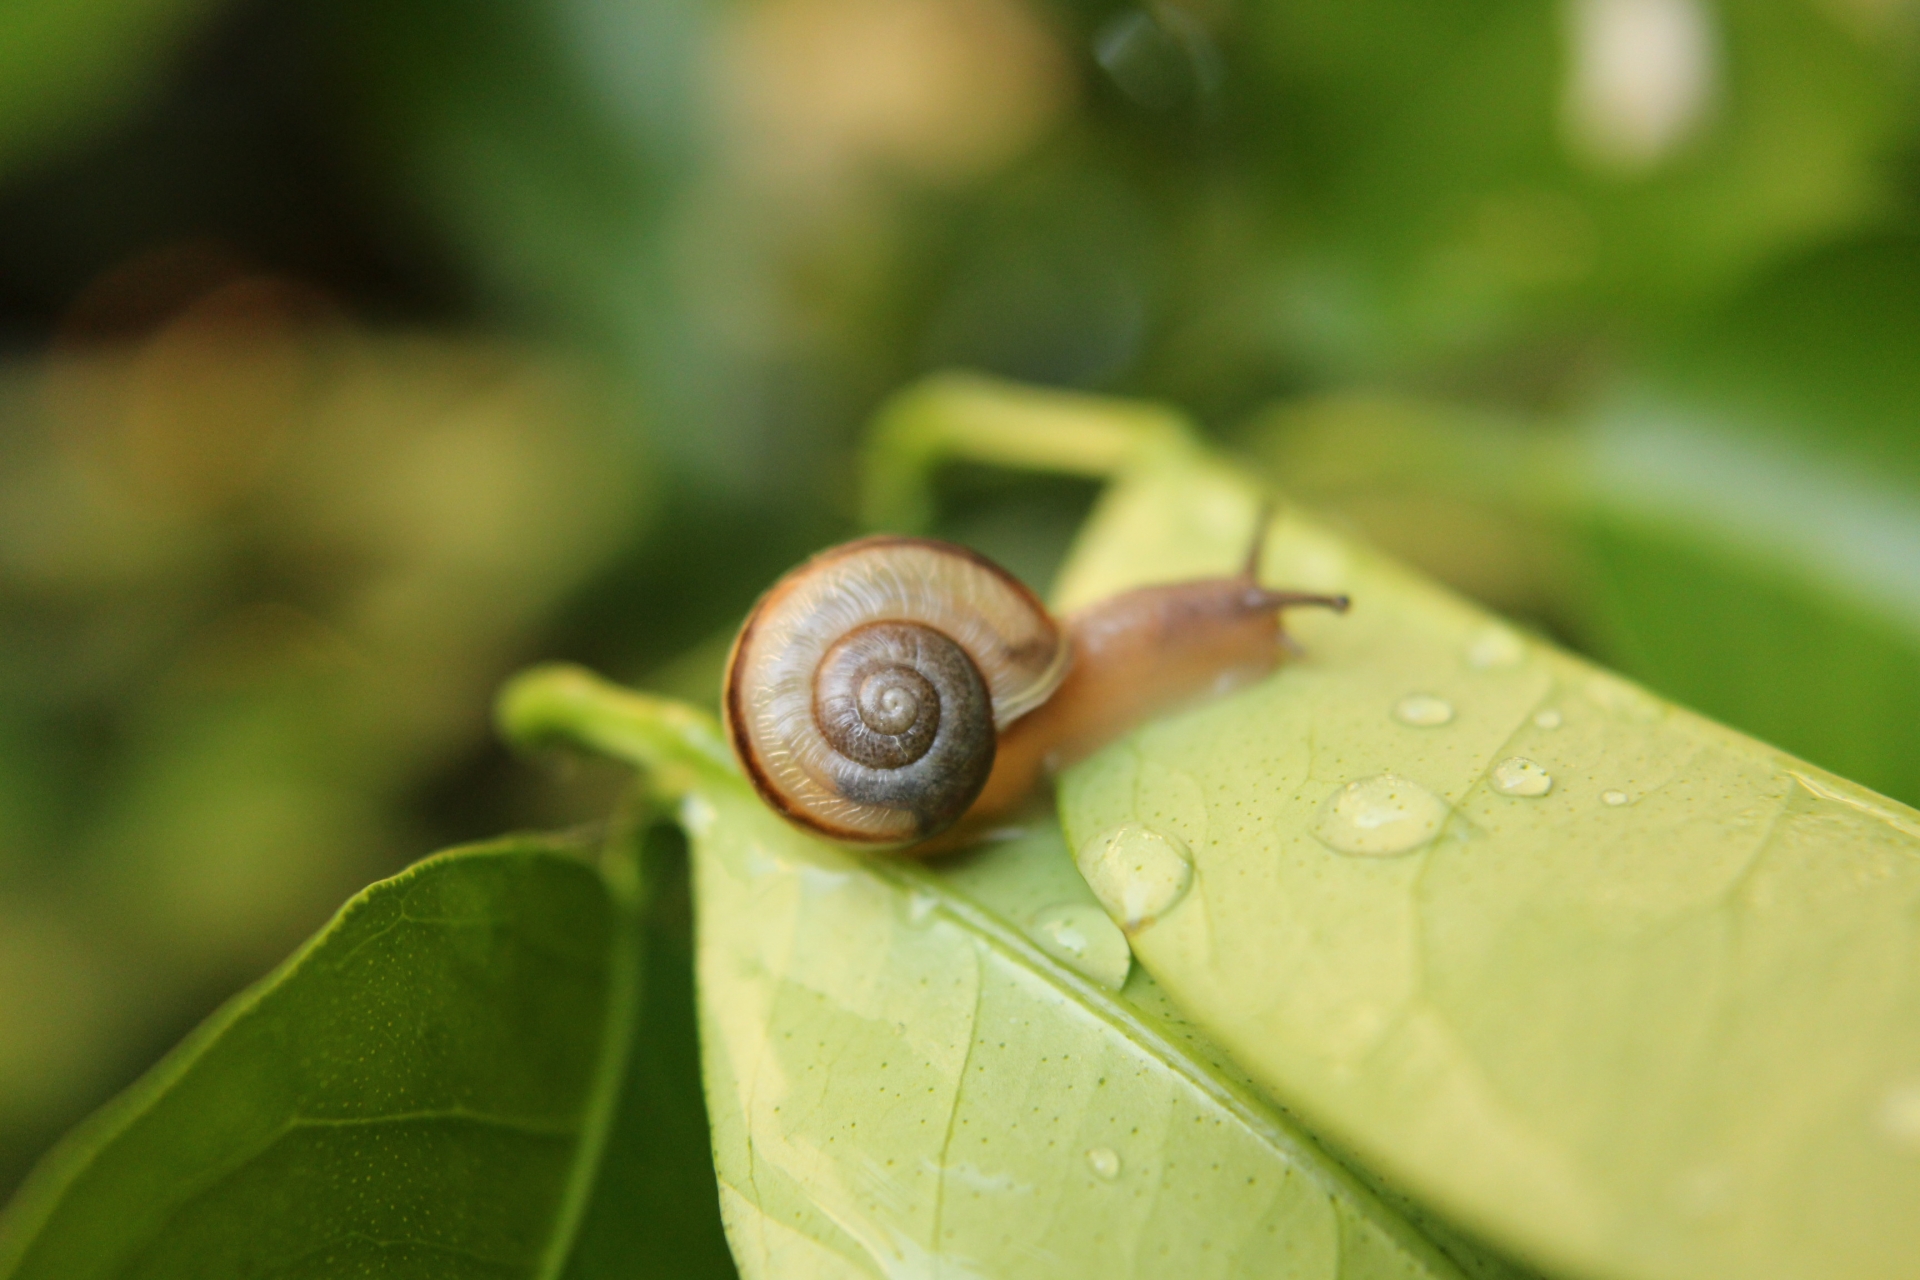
(426, 1088)
(654, 1211)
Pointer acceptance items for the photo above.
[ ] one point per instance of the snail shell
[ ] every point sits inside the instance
(867, 690)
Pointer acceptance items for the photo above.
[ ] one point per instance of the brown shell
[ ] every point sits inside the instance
(917, 585)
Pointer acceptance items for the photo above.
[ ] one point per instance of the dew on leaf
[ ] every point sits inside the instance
(1616, 798)
(1081, 936)
(1138, 873)
(697, 815)
(1104, 1161)
(1548, 719)
(1423, 710)
(1519, 776)
(1380, 817)
(1495, 647)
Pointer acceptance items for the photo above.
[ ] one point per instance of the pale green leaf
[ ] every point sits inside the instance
(1662, 1020)
(903, 1081)
(1623, 991)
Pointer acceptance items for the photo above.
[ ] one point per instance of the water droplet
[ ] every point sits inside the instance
(1080, 935)
(1423, 710)
(1548, 719)
(1139, 874)
(1899, 1116)
(818, 881)
(1494, 647)
(1518, 776)
(1381, 816)
(920, 905)
(1104, 1161)
(697, 815)
(1616, 798)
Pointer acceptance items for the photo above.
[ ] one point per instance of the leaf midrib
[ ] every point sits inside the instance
(603, 1095)
(1300, 1154)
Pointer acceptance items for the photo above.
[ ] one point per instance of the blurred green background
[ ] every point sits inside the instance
(357, 352)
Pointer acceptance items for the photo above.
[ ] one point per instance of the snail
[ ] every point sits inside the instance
(893, 687)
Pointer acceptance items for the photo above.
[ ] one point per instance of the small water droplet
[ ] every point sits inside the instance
(1423, 710)
(1518, 776)
(1495, 647)
(1899, 1116)
(818, 882)
(1616, 798)
(1079, 934)
(1104, 1161)
(1139, 874)
(1381, 816)
(1548, 719)
(697, 815)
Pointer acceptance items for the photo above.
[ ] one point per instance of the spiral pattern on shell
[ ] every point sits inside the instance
(867, 688)
(907, 711)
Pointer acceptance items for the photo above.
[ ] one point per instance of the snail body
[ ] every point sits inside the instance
(893, 687)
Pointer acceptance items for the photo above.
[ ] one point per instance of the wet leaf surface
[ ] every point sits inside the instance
(1626, 991)
(917, 1070)
(904, 1081)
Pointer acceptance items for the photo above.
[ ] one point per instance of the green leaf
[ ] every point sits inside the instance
(427, 1087)
(1661, 1020)
(1622, 991)
(904, 1079)
(654, 1212)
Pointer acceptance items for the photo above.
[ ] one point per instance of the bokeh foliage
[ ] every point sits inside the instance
(358, 351)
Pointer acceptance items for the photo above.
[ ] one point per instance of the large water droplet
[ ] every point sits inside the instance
(1492, 648)
(1381, 816)
(1079, 934)
(1139, 874)
(1518, 776)
(1104, 1161)
(1615, 798)
(1423, 710)
(1899, 1116)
